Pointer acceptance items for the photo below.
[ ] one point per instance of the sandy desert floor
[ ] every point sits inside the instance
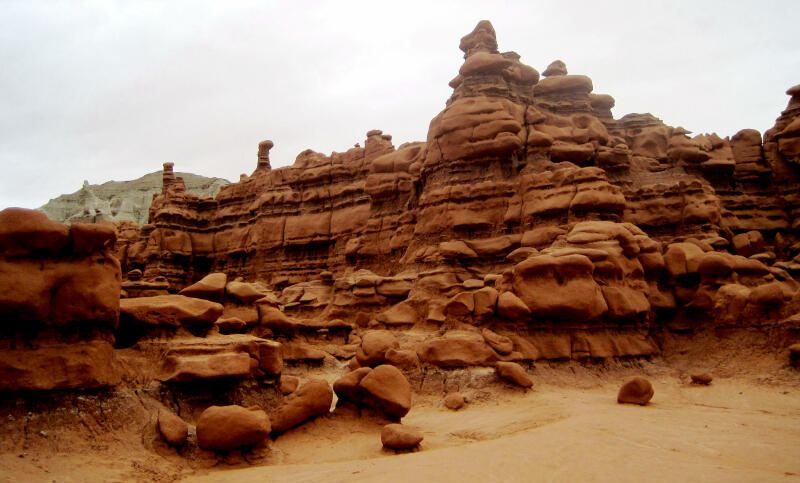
(573, 430)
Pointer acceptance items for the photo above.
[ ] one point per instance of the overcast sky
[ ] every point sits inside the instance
(106, 90)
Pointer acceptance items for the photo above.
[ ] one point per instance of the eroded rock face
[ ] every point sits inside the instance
(59, 293)
(531, 224)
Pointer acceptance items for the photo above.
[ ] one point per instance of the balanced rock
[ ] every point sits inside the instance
(311, 400)
(173, 429)
(348, 387)
(636, 390)
(515, 373)
(223, 428)
(398, 436)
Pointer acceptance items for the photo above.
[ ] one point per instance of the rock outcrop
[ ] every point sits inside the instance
(59, 303)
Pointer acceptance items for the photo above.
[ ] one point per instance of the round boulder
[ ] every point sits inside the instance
(636, 390)
(397, 436)
(454, 401)
(223, 428)
(386, 388)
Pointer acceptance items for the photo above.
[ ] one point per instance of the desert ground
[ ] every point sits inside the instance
(568, 428)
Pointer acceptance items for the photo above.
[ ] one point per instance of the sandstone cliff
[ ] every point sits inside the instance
(121, 200)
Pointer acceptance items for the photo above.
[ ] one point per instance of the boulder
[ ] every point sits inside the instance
(246, 293)
(170, 310)
(559, 288)
(402, 313)
(454, 401)
(172, 429)
(460, 304)
(502, 344)
(398, 436)
(457, 349)
(224, 428)
(701, 378)
(750, 243)
(230, 325)
(348, 387)
(386, 388)
(515, 373)
(312, 399)
(510, 307)
(374, 344)
(403, 359)
(485, 302)
(211, 287)
(636, 390)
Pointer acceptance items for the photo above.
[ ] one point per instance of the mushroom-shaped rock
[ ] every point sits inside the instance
(386, 388)
(88, 237)
(513, 372)
(636, 390)
(312, 399)
(223, 428)
(211, 287)
(172, 429)
(24, 231)
(263, 154)
(701, 378)
(560, 287)
(398, 436)
(454, 401)
(557, 67)
(481, 39)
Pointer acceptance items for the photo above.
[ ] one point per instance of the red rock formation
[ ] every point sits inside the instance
(59, 302)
